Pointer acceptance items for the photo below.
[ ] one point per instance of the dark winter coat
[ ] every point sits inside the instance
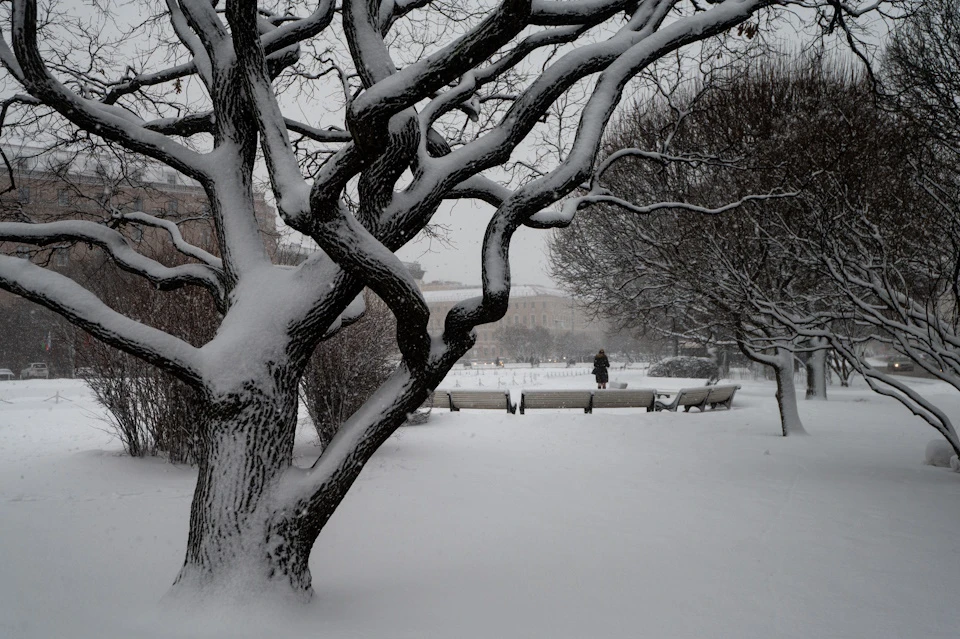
(600, 366)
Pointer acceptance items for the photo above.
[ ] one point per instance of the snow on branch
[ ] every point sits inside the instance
(318, 135)
(132, 82)
(85, 310)
(175, 236)
(548, 12)
(293, 31)
(117, 247)
(572, 204)
(390, 91)
(353, 247)
(181, 26)
(309, 490)
(481, 188)
(111, 122)
(358, 438)
(289, 187)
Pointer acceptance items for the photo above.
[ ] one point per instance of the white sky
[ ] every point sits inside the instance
(459, 260)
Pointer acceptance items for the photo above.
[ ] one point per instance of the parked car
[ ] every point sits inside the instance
(900, 365)
(35, 370)
(6, 375)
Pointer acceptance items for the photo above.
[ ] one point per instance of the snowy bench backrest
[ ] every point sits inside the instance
(634, 398)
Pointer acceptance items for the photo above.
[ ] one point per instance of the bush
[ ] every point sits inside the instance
(683, 366)
(150, 411)
(347, 368)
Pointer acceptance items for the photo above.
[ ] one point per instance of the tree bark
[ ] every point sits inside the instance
(787, 394)
(816, 367)
(240, 544)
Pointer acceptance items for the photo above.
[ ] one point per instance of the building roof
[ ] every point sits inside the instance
(458, 294)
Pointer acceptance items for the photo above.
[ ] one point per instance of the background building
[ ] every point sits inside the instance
(574, 334)
(46, 186)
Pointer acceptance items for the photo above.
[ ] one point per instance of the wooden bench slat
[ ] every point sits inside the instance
(634, 398)
(473, 399)
(556, 399)
(700, 397)
(722, 396)
(695, 397)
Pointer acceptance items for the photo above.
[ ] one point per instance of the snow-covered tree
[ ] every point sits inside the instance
(749, 138)
(431, 96)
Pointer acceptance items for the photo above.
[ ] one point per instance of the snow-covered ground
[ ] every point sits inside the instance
(552, 525)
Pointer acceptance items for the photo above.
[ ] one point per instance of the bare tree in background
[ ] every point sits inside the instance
(526, 344)
(412, 127)
(807, 129)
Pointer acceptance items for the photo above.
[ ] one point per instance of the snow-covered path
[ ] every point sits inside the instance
(551, 524)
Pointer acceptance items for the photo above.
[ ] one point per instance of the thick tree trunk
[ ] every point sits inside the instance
(787, 394)
(240, 546)
(816, 367)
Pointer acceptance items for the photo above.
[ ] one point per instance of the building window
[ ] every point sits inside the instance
(533, 320)
(136, 233)
(137, 205)
(23, 252)
(63, 197)
(524, 320)
(172, 206)
(514, 320)
(23, 194)
(171, 178)
(544, 319)
(62, 257)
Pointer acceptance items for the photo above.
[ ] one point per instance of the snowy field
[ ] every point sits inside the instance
(482, 525)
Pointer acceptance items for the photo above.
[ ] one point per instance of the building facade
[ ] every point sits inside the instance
(572, 330)
(47, 186)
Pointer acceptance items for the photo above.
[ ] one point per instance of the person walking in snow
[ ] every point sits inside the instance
(600, 366)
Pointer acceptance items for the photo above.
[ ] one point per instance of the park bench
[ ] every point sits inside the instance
(700, 397)
(479, 399)
(687, 398)
(635, 398)
(556, 399)
(722, 396)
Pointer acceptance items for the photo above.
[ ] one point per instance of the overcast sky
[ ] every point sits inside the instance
(459, 261)
(459, 258)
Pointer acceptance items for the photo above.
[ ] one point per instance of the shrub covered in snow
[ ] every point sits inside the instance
(347, 368)
(685, 366)
(939, 452)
